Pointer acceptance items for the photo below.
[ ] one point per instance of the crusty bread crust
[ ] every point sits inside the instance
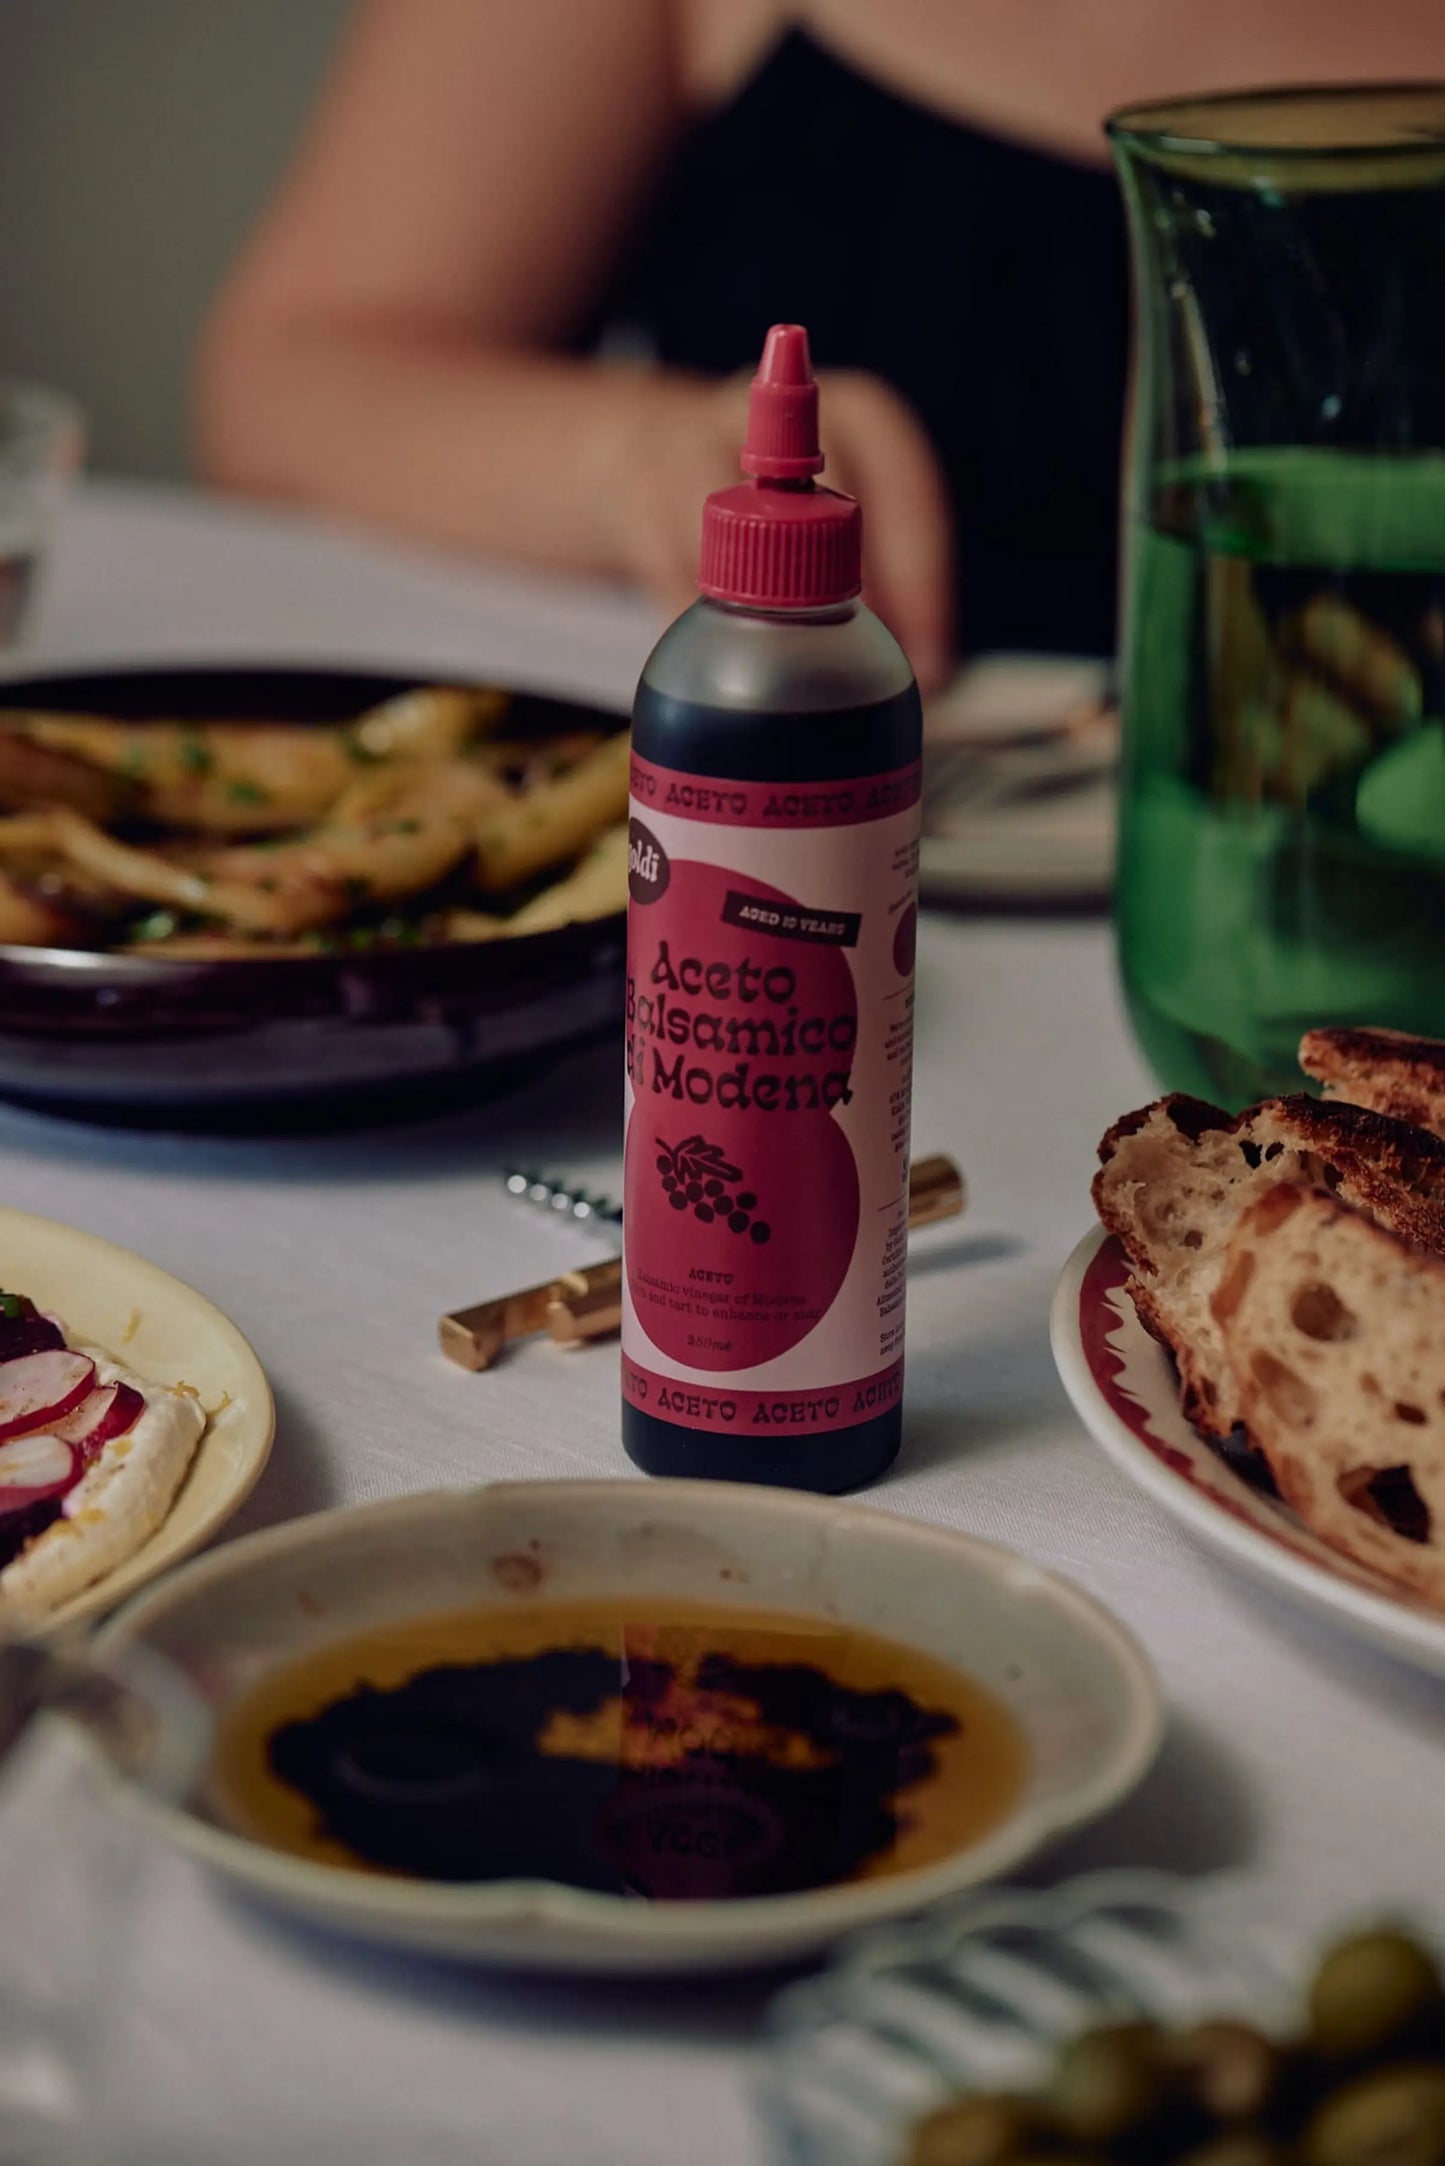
(1129, 1156)
(1193, 1117)
(1386, 1070)
(1176, 1175)
(1333, 1329)
(1392, 1171)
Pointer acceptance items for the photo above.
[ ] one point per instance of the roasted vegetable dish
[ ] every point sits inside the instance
(422, 820)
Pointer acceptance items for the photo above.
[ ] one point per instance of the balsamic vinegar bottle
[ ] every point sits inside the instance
(773, 859)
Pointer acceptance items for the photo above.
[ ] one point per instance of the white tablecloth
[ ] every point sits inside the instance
(1289, 1751)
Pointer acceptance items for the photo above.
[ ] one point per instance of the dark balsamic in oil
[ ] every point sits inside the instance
(666, 1753)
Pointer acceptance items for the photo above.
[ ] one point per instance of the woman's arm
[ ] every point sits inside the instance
(463, 192)
(388, 343)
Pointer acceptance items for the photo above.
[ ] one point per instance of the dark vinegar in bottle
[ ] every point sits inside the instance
(773, 868)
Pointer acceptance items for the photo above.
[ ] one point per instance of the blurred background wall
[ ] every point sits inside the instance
(138, 138)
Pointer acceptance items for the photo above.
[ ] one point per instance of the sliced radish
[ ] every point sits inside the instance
(36, 1462)
(102, 1415)
(34, 1469)
(27, 1333)
(38, 1390)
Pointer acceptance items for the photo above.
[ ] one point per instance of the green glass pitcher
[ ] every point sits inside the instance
(1282, 819)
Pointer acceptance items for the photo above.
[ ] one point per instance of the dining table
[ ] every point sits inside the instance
(1292, 1753)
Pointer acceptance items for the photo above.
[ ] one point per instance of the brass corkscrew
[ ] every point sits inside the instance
(587, 1304)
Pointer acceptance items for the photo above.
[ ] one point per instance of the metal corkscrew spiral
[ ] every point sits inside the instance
(587, 1304)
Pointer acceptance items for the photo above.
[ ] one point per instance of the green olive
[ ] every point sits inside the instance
(1369, 1992)
(1230, 2069)
(1108, 2083)
(984, 2131)
(1395, 2117)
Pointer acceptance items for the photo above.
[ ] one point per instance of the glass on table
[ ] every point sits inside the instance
(42, 440)
(80, 1741)
(1282, 820)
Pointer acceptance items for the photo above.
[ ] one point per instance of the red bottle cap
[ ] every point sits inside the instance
(778, 542)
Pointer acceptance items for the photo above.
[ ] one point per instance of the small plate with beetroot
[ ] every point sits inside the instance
(96, 1347)
(56, 1417)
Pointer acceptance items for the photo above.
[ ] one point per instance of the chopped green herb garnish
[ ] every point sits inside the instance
(402, 827)
(158, 926)
(247, 793)
(197, 755)
(12, 1304)
(133, 766)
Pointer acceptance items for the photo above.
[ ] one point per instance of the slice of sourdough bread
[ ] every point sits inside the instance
(1385, 1070)
(1335, 1331)
(1176, 1175)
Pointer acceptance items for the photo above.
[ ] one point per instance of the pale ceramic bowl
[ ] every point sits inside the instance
(1082, 1692)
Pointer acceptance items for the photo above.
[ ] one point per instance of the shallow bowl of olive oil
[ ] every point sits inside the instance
(609, 1727)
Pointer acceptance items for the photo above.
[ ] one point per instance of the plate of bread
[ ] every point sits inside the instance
(1255, 1333)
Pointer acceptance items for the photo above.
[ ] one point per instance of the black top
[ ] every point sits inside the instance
(987, 282)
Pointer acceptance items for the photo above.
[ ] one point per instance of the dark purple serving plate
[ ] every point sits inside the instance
(192, 1044)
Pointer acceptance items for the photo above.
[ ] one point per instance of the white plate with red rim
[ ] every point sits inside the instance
(1021, 757)
(1125, 1391)
(167, 1334)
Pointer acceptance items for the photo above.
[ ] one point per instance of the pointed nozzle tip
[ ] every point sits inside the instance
(782, 440)
(786, 359)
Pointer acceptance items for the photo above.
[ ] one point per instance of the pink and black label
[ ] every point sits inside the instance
(769, 1068)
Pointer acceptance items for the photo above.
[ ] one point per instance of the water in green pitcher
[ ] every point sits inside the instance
(1282, 850)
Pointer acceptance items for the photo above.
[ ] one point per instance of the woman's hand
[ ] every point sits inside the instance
(681, 441)
(393, 343)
